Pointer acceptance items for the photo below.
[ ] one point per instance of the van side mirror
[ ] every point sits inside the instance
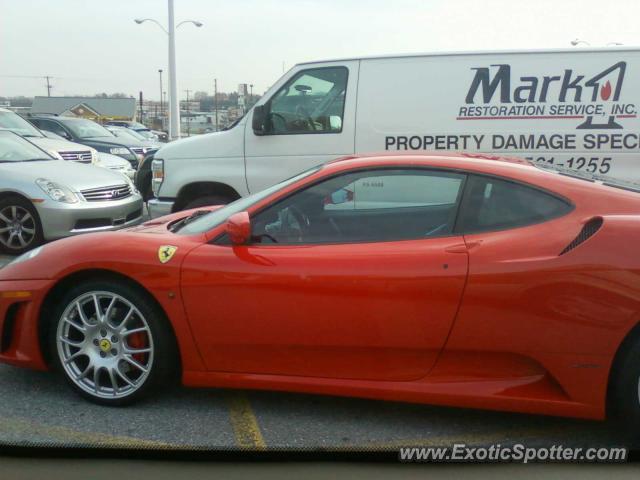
(258, 122)
(238, 228)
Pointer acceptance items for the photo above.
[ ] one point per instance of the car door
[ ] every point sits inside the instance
(334, 287)
(309, 120)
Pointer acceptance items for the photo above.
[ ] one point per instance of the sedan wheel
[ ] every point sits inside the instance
(19, 226)
(112, 342)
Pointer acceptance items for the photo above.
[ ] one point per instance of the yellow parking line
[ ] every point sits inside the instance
(64, 435)
(244, 422)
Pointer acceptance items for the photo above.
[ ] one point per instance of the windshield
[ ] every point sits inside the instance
(15, 123)
(14, 148)
(87, 129)
(127, 133)
(215, 218)
(589, 177)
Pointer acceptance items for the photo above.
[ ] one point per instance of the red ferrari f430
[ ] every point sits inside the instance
(457, 280)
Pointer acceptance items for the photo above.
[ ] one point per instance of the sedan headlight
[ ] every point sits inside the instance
(57, 192)
(119, 151)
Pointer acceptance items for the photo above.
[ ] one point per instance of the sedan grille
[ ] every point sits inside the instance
(82, 157)
(117, 192)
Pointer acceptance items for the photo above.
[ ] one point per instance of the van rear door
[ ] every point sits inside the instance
(308, 119)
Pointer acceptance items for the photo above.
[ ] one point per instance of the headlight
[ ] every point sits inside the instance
(55, 154)
(157, 175)
(119, 151)
(57, 192)
(27, 256)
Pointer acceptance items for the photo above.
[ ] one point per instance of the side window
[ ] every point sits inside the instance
(367, 206)
(494, 204)
(311, 102)
(52, 127)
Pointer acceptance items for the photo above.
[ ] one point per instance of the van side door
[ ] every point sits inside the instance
(308, 120)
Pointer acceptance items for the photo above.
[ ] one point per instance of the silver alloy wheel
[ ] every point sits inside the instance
(17, 227)
(96, 342)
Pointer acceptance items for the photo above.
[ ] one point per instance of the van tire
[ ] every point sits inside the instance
(207, 201)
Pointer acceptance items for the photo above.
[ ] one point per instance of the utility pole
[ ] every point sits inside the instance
(215, 101)
(48, 86)
(141, 113)
(250, 95)
(188, 115)
(161, 112)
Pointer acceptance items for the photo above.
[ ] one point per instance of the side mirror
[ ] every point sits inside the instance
(259, 114)
(238, 228)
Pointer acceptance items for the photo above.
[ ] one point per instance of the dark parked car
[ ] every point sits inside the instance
(87, 132)
(153, 135)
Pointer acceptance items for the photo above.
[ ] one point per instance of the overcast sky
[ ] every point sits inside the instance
(92, 46)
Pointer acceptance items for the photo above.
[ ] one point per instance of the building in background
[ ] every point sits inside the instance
(93, 108)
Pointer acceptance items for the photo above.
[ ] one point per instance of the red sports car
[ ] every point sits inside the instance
(460, 280)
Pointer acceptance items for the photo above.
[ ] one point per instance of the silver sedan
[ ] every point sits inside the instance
(42, 198)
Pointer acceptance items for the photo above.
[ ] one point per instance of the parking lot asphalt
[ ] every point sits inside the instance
(37, 407)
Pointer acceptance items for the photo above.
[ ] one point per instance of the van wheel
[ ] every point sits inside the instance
(206, 201)
(626, 387)
(20, 228)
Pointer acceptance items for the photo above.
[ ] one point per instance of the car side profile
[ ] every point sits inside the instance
(460, 280)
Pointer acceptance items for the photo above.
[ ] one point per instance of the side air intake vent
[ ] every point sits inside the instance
(589, 229)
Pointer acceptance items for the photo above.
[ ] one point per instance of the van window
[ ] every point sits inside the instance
(494, 204)
(311, 102)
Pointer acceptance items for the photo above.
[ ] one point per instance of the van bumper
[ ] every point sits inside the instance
(159, 208)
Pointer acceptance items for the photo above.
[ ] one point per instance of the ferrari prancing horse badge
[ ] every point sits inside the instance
(165, 253)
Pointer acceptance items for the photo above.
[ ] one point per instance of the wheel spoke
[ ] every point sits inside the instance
(109, 309)
(114, 382)
(127, 317)
(80, 328)
(133, 351)
(70, 342)
(5, 229)
(23, 242)
(96, 378)
(26, 229)
(124, 377)
(96, 303)
(135, 363)
(84, 373)
(79, 353)
(83, 316)
(126, 333)
(4, 219)
(25, 218)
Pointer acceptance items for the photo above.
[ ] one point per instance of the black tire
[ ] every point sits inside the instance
(165, 365)
(625, 393)
(13, 244)
(206, 201)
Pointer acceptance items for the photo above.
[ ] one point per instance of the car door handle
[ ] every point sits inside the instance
(462, 247)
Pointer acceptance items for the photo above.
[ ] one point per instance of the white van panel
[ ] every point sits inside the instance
(574, 109)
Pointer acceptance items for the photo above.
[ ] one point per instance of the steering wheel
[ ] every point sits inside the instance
(302, 113)
(281, 118)
(301, 219)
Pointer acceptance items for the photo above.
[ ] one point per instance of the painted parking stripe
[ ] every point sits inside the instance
(245, 425)
(53, 434)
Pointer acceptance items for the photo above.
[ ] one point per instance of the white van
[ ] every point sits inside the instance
(574, 108)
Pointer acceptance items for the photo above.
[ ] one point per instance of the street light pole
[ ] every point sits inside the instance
(174, 101)
(161, 111)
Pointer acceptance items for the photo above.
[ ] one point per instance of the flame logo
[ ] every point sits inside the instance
(605, 91)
